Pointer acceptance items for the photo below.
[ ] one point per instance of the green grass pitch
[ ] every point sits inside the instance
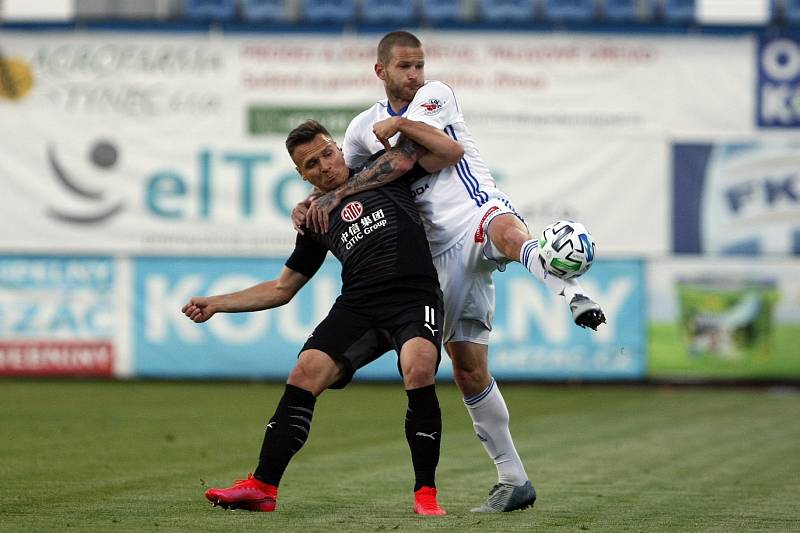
(113, 457)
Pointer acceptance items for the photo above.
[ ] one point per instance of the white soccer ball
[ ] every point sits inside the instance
(566, 249)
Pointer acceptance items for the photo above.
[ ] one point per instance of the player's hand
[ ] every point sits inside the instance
(591, 319)
(299, 215)
(386, 129)
(199, 309)
(319, 213)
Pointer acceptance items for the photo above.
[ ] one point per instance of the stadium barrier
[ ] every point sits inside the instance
(145, 168)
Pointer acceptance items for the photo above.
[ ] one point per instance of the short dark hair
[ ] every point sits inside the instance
(395, 38)
(304, 133)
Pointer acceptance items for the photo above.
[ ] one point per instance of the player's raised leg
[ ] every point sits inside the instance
(423, 422)
(285, 434)
(509, 238)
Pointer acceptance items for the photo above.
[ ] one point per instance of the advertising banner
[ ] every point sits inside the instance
(172, 144)
(60, 316)
(533, 337)
(247, 345)
(737, 198)
(617, 188)
(126, 144)
(512, 82)
(724, 318)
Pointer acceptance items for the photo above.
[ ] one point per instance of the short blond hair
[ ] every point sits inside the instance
(395, 38)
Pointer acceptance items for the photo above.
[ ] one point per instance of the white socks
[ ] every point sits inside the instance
(529, 257)
(490, 419)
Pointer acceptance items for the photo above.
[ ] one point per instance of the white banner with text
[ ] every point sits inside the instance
(167, 143)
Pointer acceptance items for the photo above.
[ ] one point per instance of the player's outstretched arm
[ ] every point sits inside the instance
(266, 295)
(384, 169)
(442, 152)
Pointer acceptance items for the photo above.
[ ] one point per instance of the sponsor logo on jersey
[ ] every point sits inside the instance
(480, 234)
(432, 106)
(352, 211)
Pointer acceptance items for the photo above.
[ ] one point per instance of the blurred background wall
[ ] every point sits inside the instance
(142, 162)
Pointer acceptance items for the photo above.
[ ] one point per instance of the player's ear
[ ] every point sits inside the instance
(380, 71)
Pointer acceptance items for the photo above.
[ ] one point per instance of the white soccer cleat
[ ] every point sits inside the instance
(586, 312)
(504, 498)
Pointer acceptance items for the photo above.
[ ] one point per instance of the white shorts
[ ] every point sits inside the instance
(465, 275)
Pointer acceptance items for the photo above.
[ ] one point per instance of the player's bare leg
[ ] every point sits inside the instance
(286, 433)
(490, 418)
(423, 422)
(510, 238)
(315, 371)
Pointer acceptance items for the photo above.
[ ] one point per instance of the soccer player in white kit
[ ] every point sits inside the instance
(473, 229)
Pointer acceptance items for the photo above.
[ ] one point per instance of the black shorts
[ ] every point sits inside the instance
(356, 335)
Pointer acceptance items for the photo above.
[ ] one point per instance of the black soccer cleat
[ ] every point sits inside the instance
(586, 313)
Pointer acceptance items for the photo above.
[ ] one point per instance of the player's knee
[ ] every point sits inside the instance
(470, 378)
(419, 375)
(507, 233)
(470, 366)
(314, 372)
(300, 377)
(418, 359)
(419, 369)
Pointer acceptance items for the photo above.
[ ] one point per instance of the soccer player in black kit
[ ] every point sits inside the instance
(390, 299)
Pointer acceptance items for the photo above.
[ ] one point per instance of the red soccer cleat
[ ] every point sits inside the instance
(249, 494)
(425, 502)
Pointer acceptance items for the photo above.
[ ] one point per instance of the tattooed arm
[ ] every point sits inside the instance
(386, 168)
(442, 150)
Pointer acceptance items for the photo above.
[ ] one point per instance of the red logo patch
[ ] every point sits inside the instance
(352, 211)
(431, 106)
(480, 235)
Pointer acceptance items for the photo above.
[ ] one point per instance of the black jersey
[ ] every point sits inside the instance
(379, 238)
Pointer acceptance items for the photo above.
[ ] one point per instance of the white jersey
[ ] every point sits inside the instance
(447, 200)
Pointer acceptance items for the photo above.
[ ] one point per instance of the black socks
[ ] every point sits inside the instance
(424, 434)
(286, 433)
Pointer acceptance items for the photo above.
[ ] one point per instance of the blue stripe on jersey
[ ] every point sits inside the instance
(508, 205)
(476, 185)
(469, 175)
(469, 185)
(466, 176)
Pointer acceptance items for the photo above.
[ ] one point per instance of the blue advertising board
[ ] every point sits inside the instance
(242, 345)
(58, 315)
(534, 336)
